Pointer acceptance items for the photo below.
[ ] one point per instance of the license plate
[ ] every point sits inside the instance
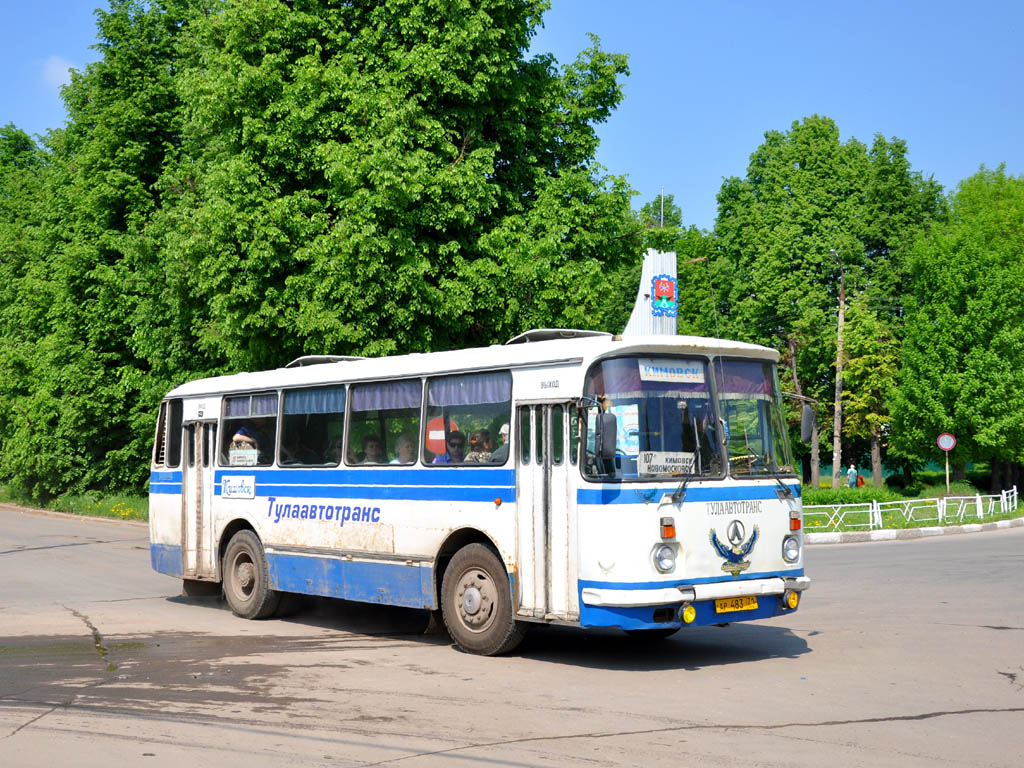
(748, 603)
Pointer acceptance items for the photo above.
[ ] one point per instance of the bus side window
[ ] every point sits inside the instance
(311, 422)
(254, 419)
(160, 444)
(167, 446)
(174, 434)
(465, 414)
(384, 422)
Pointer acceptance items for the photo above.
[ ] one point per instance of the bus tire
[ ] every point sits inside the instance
(476, 603)
(247, 578)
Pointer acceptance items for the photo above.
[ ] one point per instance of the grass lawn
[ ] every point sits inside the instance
(93, 504)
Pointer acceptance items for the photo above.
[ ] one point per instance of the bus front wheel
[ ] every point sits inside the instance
(476, 603)
(247, 578)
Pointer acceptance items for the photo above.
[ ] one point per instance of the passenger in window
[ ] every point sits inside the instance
(246, 446)
(480, 447)
(405, 450)
(373, 450)
(500, 456)
(456, 453)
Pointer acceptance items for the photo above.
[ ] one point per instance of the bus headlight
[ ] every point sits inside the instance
(791, 549)
(665, 558)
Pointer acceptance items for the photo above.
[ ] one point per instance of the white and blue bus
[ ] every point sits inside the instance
(568, 477)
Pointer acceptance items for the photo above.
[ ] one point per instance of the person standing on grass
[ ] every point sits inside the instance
(851, 476)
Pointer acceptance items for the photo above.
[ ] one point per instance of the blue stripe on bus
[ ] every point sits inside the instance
(441, 484)
(687, 582)
(415, 493)
(386, 583)
(172, 488)
(434, 476)
(625, 494)
(173, 476)
(166, 558)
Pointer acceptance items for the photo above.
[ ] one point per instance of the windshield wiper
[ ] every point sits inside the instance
(698, 462)
(786, 492)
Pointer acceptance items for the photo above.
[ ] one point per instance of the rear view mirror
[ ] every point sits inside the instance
(605, 435)
(806, 423)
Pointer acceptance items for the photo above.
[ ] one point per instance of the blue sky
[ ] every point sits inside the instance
(708, 79)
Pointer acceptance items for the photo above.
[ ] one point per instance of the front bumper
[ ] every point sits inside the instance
(658, 607)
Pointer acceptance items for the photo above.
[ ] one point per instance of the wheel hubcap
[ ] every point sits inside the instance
(475, 600)
(245, 575)
(471, 601)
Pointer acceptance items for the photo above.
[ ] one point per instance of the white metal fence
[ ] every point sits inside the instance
(876, 515)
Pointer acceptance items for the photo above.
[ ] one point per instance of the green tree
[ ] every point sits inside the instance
(376, 178)
(870, 375)
(807, 194)
(243, 182)
(962, 355)
(82, 393)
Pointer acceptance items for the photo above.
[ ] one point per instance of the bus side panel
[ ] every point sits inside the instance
(165, 521)
(371, 535)
(385, 583)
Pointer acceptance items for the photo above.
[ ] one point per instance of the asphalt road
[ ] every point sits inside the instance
(904, 653)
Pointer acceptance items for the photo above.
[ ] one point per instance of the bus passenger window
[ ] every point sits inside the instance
(384, 422)
(311, 422)
(160, 444)
(174, 434)
(249, 430)
(464, 415)
(167, 447)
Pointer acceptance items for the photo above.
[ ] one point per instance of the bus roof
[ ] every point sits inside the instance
(574, 351)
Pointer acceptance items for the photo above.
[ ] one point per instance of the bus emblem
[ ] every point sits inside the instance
(737, 549)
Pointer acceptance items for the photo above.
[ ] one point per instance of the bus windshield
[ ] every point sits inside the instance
(755, 434)
(667, 426)
(664, 417)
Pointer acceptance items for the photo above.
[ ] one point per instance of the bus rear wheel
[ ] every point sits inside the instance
(247, 578)
(476, 603)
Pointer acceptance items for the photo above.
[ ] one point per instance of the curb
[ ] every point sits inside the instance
(895, 534)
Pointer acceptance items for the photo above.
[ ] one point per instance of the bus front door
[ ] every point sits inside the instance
(197, 551)
(546, 507)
